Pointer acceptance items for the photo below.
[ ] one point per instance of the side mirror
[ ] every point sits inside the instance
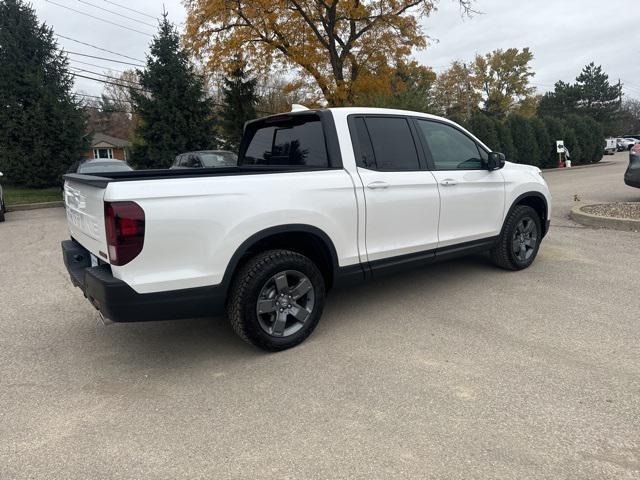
(495, 161)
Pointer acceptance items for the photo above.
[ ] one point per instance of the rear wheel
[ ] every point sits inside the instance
(519, 240)
(276, 299)
(2, 210)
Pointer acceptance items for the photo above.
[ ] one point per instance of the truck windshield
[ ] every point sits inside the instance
(291, 141)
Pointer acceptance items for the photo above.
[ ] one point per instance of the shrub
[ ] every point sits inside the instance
(571, 142)
(524, 140)
(597, 134)
(506, 143)
(556, 130)
(484, 128)
(546, 146)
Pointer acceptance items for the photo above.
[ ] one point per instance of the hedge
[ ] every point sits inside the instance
(532, 141)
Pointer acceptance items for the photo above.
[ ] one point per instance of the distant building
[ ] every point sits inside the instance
(106, 146)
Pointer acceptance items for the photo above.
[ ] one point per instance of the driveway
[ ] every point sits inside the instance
(457, 371)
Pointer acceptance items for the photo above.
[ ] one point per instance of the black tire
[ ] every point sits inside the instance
(252, 279)
(3, 209)
(504, 254)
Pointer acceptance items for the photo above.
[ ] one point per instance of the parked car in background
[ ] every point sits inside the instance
(97, 165)
(624, 143)
(3, 209)
(632, 137)
(632, 175)
(610, 146)
(206, 159)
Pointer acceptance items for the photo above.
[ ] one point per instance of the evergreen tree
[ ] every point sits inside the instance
(596, 132)
(41, 124)
(556, 129)
(524, 140)
(571, 141)
(506, 142)
(484, 127)
(238, 105)
(592, 95)
(174, 114)
(562, 101)
(544, 142)
(598, 99)
(590, 134)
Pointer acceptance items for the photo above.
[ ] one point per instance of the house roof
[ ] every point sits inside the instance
(100, 139)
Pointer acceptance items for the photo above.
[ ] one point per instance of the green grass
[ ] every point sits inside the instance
(19, 195)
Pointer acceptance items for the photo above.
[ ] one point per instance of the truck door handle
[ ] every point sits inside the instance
(448, 182)
(377, 185)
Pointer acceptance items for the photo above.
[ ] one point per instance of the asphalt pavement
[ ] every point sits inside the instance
(460, 370)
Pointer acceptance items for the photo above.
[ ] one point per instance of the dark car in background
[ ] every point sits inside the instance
(98, 165)
(632, 175)
(206, 159)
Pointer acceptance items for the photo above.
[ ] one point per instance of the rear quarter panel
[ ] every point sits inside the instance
(193, 226)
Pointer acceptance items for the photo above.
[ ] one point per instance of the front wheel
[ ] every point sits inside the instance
(519, 240)
(276, 299)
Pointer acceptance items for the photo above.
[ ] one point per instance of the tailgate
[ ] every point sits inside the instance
(85, 216)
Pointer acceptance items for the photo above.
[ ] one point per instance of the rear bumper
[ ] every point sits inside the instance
(118, 302)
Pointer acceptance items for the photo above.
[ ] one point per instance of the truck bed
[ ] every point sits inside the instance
(103, 180)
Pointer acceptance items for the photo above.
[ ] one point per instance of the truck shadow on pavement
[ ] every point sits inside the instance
(213, 338)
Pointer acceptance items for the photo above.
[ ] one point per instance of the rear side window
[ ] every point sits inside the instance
(450, 148)
(292, 141)
(366, 157)
(386, 143)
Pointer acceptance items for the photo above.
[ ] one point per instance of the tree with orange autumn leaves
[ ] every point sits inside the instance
(347, 48)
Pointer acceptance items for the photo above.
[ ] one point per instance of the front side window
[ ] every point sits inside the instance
(290, 141)
(450, 148)
(386, 144)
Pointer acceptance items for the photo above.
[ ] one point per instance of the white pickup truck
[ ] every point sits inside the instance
(320, 199)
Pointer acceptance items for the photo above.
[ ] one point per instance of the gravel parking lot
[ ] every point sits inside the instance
(457, 371)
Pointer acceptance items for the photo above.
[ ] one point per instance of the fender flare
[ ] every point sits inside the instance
(532, 193)
(275, 230)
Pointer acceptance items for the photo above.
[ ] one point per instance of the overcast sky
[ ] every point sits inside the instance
(563, 35)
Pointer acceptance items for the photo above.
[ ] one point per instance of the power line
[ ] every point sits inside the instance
(100, 48)
(132, 104)
(106, 76)
(116, 13)
(107, 81)
(99, 66)
(99, 18)
(131, 9)
(106, 59)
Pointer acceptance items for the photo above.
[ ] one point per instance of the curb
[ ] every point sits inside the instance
(613, 223)
(578, 167)
(34, 206)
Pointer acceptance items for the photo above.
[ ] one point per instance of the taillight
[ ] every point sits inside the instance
(124, 224)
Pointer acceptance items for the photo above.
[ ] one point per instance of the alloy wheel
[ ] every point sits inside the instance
(525, 239)
(285, 303)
